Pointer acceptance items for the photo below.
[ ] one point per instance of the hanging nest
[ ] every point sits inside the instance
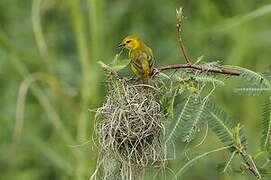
(129, 129)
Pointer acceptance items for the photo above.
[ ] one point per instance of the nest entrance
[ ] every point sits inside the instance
(129, 129)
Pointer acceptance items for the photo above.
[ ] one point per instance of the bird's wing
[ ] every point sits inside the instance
(151, 58)
(144, 62)
(145, 65)
(137, 64)
(143, 55)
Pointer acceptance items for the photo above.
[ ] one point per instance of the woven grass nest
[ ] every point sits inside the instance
(129, 129)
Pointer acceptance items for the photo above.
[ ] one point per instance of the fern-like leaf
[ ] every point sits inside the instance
(184, 115)
(170, 104)
(221, 124)
(253, 90)
(212, 64)
(266, 126)
(255, 78)
(267, 75)
(192, 119)
(259, 82)
(207, 78)
(252, 77)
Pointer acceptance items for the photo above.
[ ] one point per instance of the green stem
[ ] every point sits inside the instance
(229, 162)
(81, 42)
(87, 83)
(189, 163)
(95, 22)
(95, 9)
(44, 101)
(37, 29)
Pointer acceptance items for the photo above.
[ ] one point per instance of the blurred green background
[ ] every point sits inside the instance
(49, 77)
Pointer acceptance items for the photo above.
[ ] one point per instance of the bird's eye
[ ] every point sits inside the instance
(128, 41)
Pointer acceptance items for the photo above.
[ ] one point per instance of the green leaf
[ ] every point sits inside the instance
(120, 64)
(255, 78)
(267, 75)
(253, 90)
(229, 161)
(199, 59)
(192, 118)
(170, 107)
(212, 64)
(221, 124)
(225, 127)
(184, 114)
(208, 78)
(266, 126)
(264, 171)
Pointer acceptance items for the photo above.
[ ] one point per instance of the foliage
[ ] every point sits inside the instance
(266, 126)
(49, 78)
(227, 130)
(197, 109)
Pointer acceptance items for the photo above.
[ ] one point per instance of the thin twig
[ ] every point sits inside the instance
(250, 166)
(179, 15)
(197, 67)
(251, 169)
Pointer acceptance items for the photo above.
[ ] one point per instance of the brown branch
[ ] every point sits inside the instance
(251, 169)
(197, 67)
(179, 15)
(250, 166)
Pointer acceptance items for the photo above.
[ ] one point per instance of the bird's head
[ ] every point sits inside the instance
(130, 42)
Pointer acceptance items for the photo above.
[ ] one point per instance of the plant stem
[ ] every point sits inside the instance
(37, 30)
(189, 163)
(86, 89)
(179, 15)
(197, 67)
(250, 166)
(180, 41)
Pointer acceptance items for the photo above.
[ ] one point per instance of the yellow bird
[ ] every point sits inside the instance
(141, 57)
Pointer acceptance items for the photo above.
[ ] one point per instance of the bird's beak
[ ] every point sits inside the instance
(121, 45)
